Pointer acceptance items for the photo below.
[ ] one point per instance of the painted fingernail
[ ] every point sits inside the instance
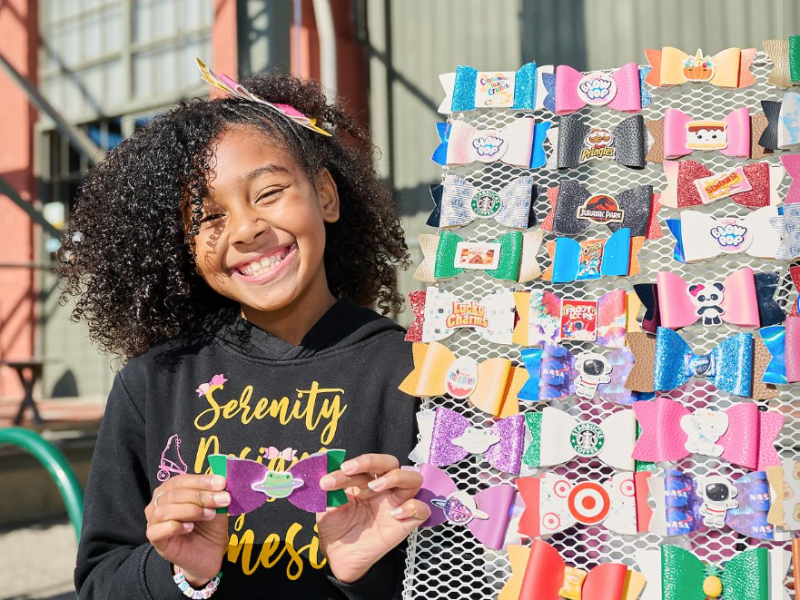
(222, 498)
(377, 484)
(349, 466)
(397, 511)
(209, 513)
(188, 526)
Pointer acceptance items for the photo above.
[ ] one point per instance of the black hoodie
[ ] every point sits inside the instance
(337, 389)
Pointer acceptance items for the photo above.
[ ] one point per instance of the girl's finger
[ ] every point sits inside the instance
(204, 482)
(159, 533)
(181, 512)
(337, 480)
(370, 463)
(195, 496)
(412, 513)
(404, 483)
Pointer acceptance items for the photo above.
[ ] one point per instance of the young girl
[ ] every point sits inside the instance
(227, 252)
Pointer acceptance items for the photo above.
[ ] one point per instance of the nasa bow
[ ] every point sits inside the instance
(783, 343)
(569, 90)
(576, 143)
(729, 68)
(468, 89)
(615, 256)
(785, 57)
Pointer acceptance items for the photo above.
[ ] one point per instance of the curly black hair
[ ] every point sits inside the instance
(127, 255)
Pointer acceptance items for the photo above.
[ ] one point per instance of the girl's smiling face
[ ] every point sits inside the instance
(262, 234)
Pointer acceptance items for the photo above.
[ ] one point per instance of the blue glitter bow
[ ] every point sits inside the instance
(467, 83)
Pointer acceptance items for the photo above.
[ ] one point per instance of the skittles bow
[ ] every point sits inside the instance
(468, 89)
(615, 256)
(785, 57)
(729, 68)
(569, 90)
(577, 143)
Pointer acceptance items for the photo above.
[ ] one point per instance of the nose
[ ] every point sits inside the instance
(246, 226)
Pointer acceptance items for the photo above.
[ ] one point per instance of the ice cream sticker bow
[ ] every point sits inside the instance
(545, 317)
(569, 90)
(539, 573)
(468, 89)
(784, 481)
(787, 226)
(574, 209)
(783, 343)
(511, 257)
(782, 130)
(691, 184)
(520, 144)
(744, 299)
(553, 504)
(674, 573)
(577, 143)
(487, 514)
(683, 135)
(459, 203)
(615, 256)
(729, 68)
(742, 434)
(437, 315)
(785, 57)
(251, 484)
(666, 362)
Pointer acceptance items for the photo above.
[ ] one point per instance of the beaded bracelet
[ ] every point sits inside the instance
(189, 591)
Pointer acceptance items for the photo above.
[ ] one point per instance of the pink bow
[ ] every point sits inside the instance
(218, 379)
(272, 452)
(743, 435)
(627, 96)
(683, 135)
(791, 163)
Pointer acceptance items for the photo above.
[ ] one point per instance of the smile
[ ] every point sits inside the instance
(265, 267)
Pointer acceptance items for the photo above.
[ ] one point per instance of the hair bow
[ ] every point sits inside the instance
(666, 362)
(520, 144)
(729, 68)
(574, 209)
(689, 184)
(783, 122)
(511, 257)
(742, 434)
(682, 135)
(487, 514)
(785, 57)
(553, 503)
(544, 317)
(744, 299)
(700, 236)
(539, 573)
(577, 143)
(791, 163)
(491, 385)
(784, 481)
(674, 573)
(468, 89)
(232, 87)
(458, 202)
(569, 90)
(272, 453)
(683, 505)
(437, 314)
(616, 256)
(783, 343)
(554, 373)
(250, 483)
(787, 225)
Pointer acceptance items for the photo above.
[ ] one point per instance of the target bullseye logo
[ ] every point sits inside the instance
(589, 503)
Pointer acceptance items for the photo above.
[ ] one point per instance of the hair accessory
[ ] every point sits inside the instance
(744, 299)
(569, 90)
(783, 343)
(250, 483)
(783, 122)
(700, 236)
(553, 503)
(683, 135)
(437, 314)
(791, 162)
(616, 256)
(520, 144)
(232, 87)
(729, 68)
(188, 591)
(784, 481)
(511, 257)
(458, 202)
(554, 373)
(666, 362)
(742, 434)
(574, 209)
(787, 225)
(689, 184)
(577, 143)
(539, 573)
(544, 317)
(468, 89)
(491, 385)
(674, 573)
(487, 514)
(785, 57)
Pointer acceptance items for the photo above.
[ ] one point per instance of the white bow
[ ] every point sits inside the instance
(440, 316)
(700, 234)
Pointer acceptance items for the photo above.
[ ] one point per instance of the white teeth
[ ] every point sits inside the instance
(259, 267)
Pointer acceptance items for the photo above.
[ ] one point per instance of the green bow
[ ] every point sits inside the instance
(794, 58)
(508, 267)
(745, 576)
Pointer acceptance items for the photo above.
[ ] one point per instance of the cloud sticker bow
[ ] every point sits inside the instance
(729, 68)
(615, 256)
(569, 90)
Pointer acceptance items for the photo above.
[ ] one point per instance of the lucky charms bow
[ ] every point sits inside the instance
(486, 514)
(615, 256)
(458, 203)
(539, 573)
(574, 209)
(666, 362)
(787, 227)
(785, 57)
(783, 343)
(577, 143)
(468, 89)
(674, 573)
(251, 483)
(729, 68)
(569, 90)
(742, 434)
(521, 143)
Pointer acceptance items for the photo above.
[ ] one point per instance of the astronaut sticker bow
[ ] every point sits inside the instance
(783, 343)
(728, 69)
(251, 484)
(577, 143)
(569, 90)
(785, 57)
(782, 129)
(520, 144)
(438, 314)
(615, 256)
(539, 573)
(742, 434)
(574, 209)
(787, 227)
(511, 257)
(487, 514)
(468, 89)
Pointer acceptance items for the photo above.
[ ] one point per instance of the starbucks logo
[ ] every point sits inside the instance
(587, 439)
(486, 203)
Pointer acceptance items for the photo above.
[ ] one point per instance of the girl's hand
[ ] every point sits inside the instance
(380, 514)
(185, 529)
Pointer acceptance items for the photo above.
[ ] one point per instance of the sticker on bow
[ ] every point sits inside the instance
(703, 429)
(277, 484)
(601, 209)
(590, 261)
(460, 508)
(599, 143)
(698, 68)
(706, 135)
(578, 320)
(486, 204)
(597, 89)
(717, 494)
(593, 371)
(462, 378)
(731, 235)
(587, 439)
(707, 299)
(489, 148)
(477, 255)
(495, 89)
(723, 185)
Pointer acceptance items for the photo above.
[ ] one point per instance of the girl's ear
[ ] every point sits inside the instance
(328, 196)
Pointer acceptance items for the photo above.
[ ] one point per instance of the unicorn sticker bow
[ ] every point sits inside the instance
(486, 515)
(743, 435)
(569, 90)
(468, 89)
(615, 256)
(729, 68)
(577, 143)
(783, 343)
(520, 144)
(787, 226)
(785, 57)
(683, 135)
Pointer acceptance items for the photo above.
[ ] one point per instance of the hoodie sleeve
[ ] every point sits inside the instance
(384, 581)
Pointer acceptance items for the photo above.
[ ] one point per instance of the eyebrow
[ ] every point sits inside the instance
(265, 170)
